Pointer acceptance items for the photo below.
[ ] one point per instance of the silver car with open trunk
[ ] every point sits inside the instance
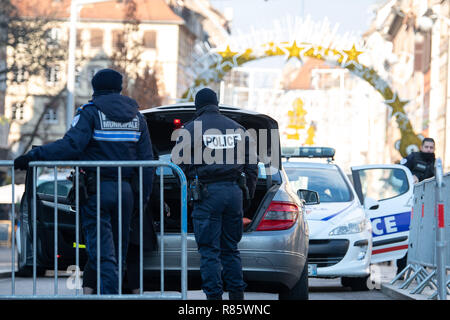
(274, 245)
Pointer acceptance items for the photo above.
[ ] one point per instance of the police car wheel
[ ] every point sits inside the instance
(300, 291)
(356, 284)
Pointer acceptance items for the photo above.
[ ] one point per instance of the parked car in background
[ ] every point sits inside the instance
(45, 188)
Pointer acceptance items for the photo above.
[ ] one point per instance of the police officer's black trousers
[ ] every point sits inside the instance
(109, 239)
(218, 229)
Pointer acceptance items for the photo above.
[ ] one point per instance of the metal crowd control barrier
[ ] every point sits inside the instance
(98, 165)
(428, 250)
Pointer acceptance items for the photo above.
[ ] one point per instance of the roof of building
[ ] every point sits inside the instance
(114, 10)
(302, 81)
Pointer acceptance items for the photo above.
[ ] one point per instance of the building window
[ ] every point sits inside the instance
(53, 36)
(17, 111)
(53, 75)
(51, 116)
(19, 75)
(79, 38)
(422, 53)
(96, 38)
(427, 52)
(418, 56)
(150, 39)
(117, 39)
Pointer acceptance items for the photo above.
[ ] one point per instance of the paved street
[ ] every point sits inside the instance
(320, 289)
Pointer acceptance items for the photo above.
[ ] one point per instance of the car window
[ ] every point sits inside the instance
(48, 187)
(381, 184)
(328, 183)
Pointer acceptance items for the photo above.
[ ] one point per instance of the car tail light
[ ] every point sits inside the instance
(279, 216)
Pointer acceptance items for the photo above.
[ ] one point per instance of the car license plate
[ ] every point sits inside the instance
(312, 269)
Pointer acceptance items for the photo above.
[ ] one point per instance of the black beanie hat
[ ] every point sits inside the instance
(107, 80)
(205, 97)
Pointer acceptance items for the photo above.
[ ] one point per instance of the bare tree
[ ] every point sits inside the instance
(145, 89)
(33, 47)
(140, 79)
(31, 42)
(30, 37)
(34, 132)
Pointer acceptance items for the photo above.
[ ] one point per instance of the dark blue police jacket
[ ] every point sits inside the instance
(211, 118)
(108, 128)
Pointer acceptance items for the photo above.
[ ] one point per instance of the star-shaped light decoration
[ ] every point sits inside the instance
(273, 50)
(327, 51)
(338, 53)
(352, 54)
(246, 56)
(294, 51)
(317, 52)
(396, 104)
(309, 53)
(227, 54)
(320, 52)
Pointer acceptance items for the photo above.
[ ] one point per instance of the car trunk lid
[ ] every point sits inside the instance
(163, 121)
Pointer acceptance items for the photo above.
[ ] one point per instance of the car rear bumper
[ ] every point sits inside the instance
(267, 258)
(271, 273)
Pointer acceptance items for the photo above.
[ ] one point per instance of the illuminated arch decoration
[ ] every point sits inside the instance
(218, 62)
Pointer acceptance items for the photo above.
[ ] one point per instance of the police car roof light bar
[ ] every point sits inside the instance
(308, 152)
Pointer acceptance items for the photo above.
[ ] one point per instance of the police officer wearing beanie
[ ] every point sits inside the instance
(218, 212)
(108, 128)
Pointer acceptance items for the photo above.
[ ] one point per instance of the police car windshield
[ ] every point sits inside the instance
(329, 183)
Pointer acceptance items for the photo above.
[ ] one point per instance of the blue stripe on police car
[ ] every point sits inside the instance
(391, 224)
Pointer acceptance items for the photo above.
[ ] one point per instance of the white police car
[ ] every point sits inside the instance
(343, 243)
(340, 240)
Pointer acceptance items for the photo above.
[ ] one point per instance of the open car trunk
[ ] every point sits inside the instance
(161, 124)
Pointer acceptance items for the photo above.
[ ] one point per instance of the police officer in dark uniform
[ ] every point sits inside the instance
(109, 127)
(217, 191)
(421, 165)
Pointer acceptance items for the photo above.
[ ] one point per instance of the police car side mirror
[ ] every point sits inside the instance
(310, 197)
(371, 204)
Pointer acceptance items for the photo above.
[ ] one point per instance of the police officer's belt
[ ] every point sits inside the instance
(227, 178)
(92, 176)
